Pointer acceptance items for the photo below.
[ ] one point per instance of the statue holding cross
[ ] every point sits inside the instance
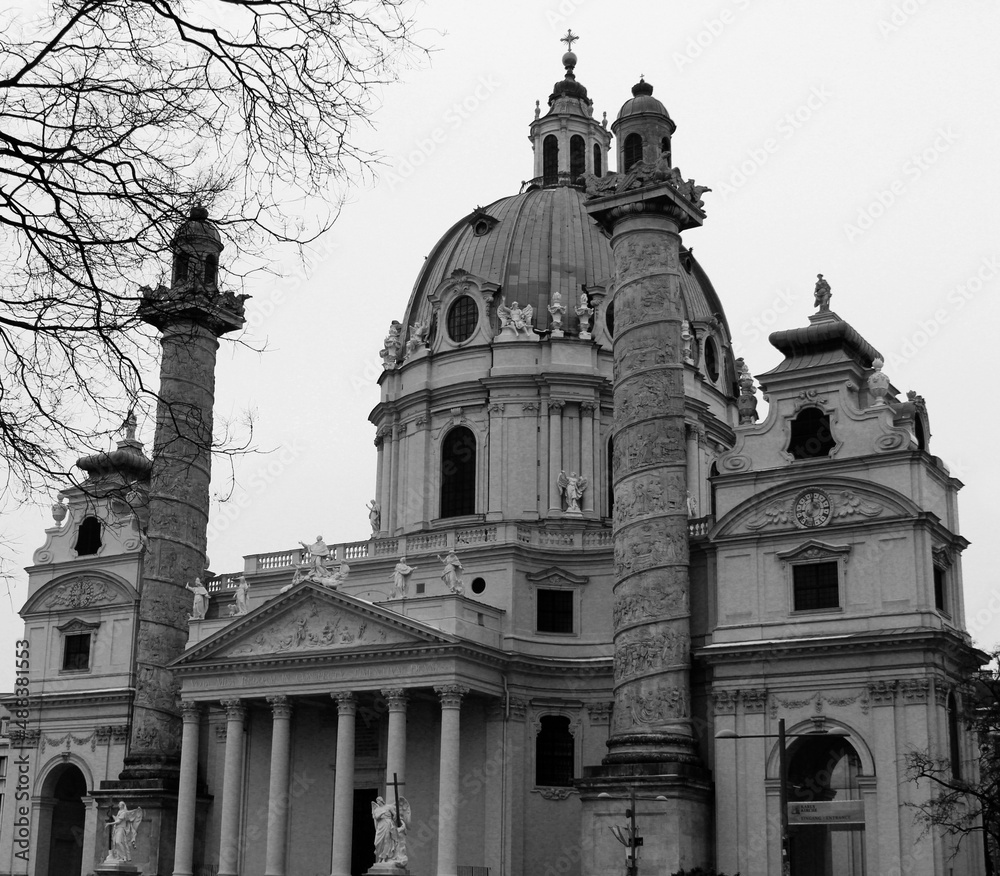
(391, 822)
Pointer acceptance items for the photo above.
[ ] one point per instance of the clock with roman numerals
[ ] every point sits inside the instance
(812, 508)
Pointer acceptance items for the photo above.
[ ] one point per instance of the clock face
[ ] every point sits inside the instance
(812, 509)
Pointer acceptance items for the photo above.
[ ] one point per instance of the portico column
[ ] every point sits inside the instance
(277, 802)
(451, 704)
(232, 790)
(187, 791)
(343, 786)
(555, 454)
(395, 761)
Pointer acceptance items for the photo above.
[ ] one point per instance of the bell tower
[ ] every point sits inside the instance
(643, 128)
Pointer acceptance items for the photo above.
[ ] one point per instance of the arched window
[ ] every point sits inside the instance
(825, 769)
(211, 270)
(954, 752)
(88, 539)
(597, 160)
(550, 160)
(665, 148)
(554, 753)
(577, 157)
(458, 473)
(633, 150)
(182, 262)
(711, 359)
(712, 472)
(811, 435)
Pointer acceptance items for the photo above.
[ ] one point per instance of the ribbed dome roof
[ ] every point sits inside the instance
(642, 102)
(542, 240)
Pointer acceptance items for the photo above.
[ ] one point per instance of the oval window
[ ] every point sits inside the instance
(711, 359)
(462, 318)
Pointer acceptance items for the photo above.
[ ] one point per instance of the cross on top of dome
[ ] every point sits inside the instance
(569, 39)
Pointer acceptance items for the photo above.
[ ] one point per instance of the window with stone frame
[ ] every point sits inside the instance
(816, 574)
(458, 473)
(554, 611)
(76, 652)
(632, 150)
(942, 564)
(555, 753)
(88, 537)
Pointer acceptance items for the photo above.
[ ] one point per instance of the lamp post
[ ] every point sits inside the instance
(786, 864)
(628, 835)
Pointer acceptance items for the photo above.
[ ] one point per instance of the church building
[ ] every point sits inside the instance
(597, 582)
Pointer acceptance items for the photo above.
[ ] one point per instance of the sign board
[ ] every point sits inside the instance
(827, 812)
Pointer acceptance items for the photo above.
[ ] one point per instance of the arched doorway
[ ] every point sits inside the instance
(826, 809)
(66, 787)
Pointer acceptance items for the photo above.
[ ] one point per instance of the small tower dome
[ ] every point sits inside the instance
(643, 128)
(567, 141)
(196, 247)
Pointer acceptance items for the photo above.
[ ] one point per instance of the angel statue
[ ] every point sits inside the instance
(390, 831)
(572, 488)
(124, 824)
(516, 318)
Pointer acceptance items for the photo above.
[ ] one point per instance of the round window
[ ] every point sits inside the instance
(478, 585)
(711, 359)
(462, 318)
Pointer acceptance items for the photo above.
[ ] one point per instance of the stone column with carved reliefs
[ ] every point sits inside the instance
(187, 792)
(343, 786)
(555, 454)
(395, 760)
(232, 789)
(448, 786)
(652, 616)
(191, 316)
(277, 804)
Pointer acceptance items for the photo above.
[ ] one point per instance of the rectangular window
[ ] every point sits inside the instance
(3, 768)
(816, 586)
(939, 589)
(76, 651)
(555, 611)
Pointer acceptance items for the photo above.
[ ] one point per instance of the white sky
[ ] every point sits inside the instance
(857, 139)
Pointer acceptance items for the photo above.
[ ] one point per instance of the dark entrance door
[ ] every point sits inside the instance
(363, 840)
(66, 838)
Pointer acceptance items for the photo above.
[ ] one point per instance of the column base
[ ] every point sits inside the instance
(388, 868)
(115, 867)
(661, 747)
(674, 807)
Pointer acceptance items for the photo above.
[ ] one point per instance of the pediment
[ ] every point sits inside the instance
(79, 590)
(813, 508)
(554, 576)
(313, 620)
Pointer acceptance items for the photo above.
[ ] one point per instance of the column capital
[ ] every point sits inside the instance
(395, 698)
(281, 706)
(346, 703)
(556, 404)
(190, 711)
(451, 695)
(588, 407)
(235, 710)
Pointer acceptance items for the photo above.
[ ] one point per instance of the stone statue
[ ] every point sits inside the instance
(822, 294)
(400, 586)
(374, 516)
(452, 574)
(557, 309)
(692, 505)
(200, 607)
(242, 590)
(337, 578)
(319, 553)
(516, 318)
(418, 337)
(390, 831)
(124, 825)
(687, 340)
(393, 345)
(572, 488)
(878, 383)
(746, 404)
(584, 312)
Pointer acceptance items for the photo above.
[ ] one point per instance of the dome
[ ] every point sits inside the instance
(642, 102)
(534, 242)
(196, 226)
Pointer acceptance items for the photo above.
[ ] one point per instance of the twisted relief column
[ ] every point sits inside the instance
(651, 607)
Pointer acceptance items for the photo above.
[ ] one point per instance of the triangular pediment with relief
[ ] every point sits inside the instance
(311, 619)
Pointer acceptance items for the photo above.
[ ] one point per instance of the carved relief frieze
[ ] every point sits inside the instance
(82, 592)
(645, 444)
(655, 707)
(646, 545)
(313, 627)
(646, 652)
(775, 514)
(649, 600)
(67, 740)
(809, 397)
(915, 690)
(657, 493)
(646, 351)
(555, 793)
(156, 687)
(529, 407)
(658, 392)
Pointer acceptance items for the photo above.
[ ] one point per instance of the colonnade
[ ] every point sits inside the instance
(450, 696)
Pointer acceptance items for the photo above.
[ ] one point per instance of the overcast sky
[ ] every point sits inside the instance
(856, 139)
